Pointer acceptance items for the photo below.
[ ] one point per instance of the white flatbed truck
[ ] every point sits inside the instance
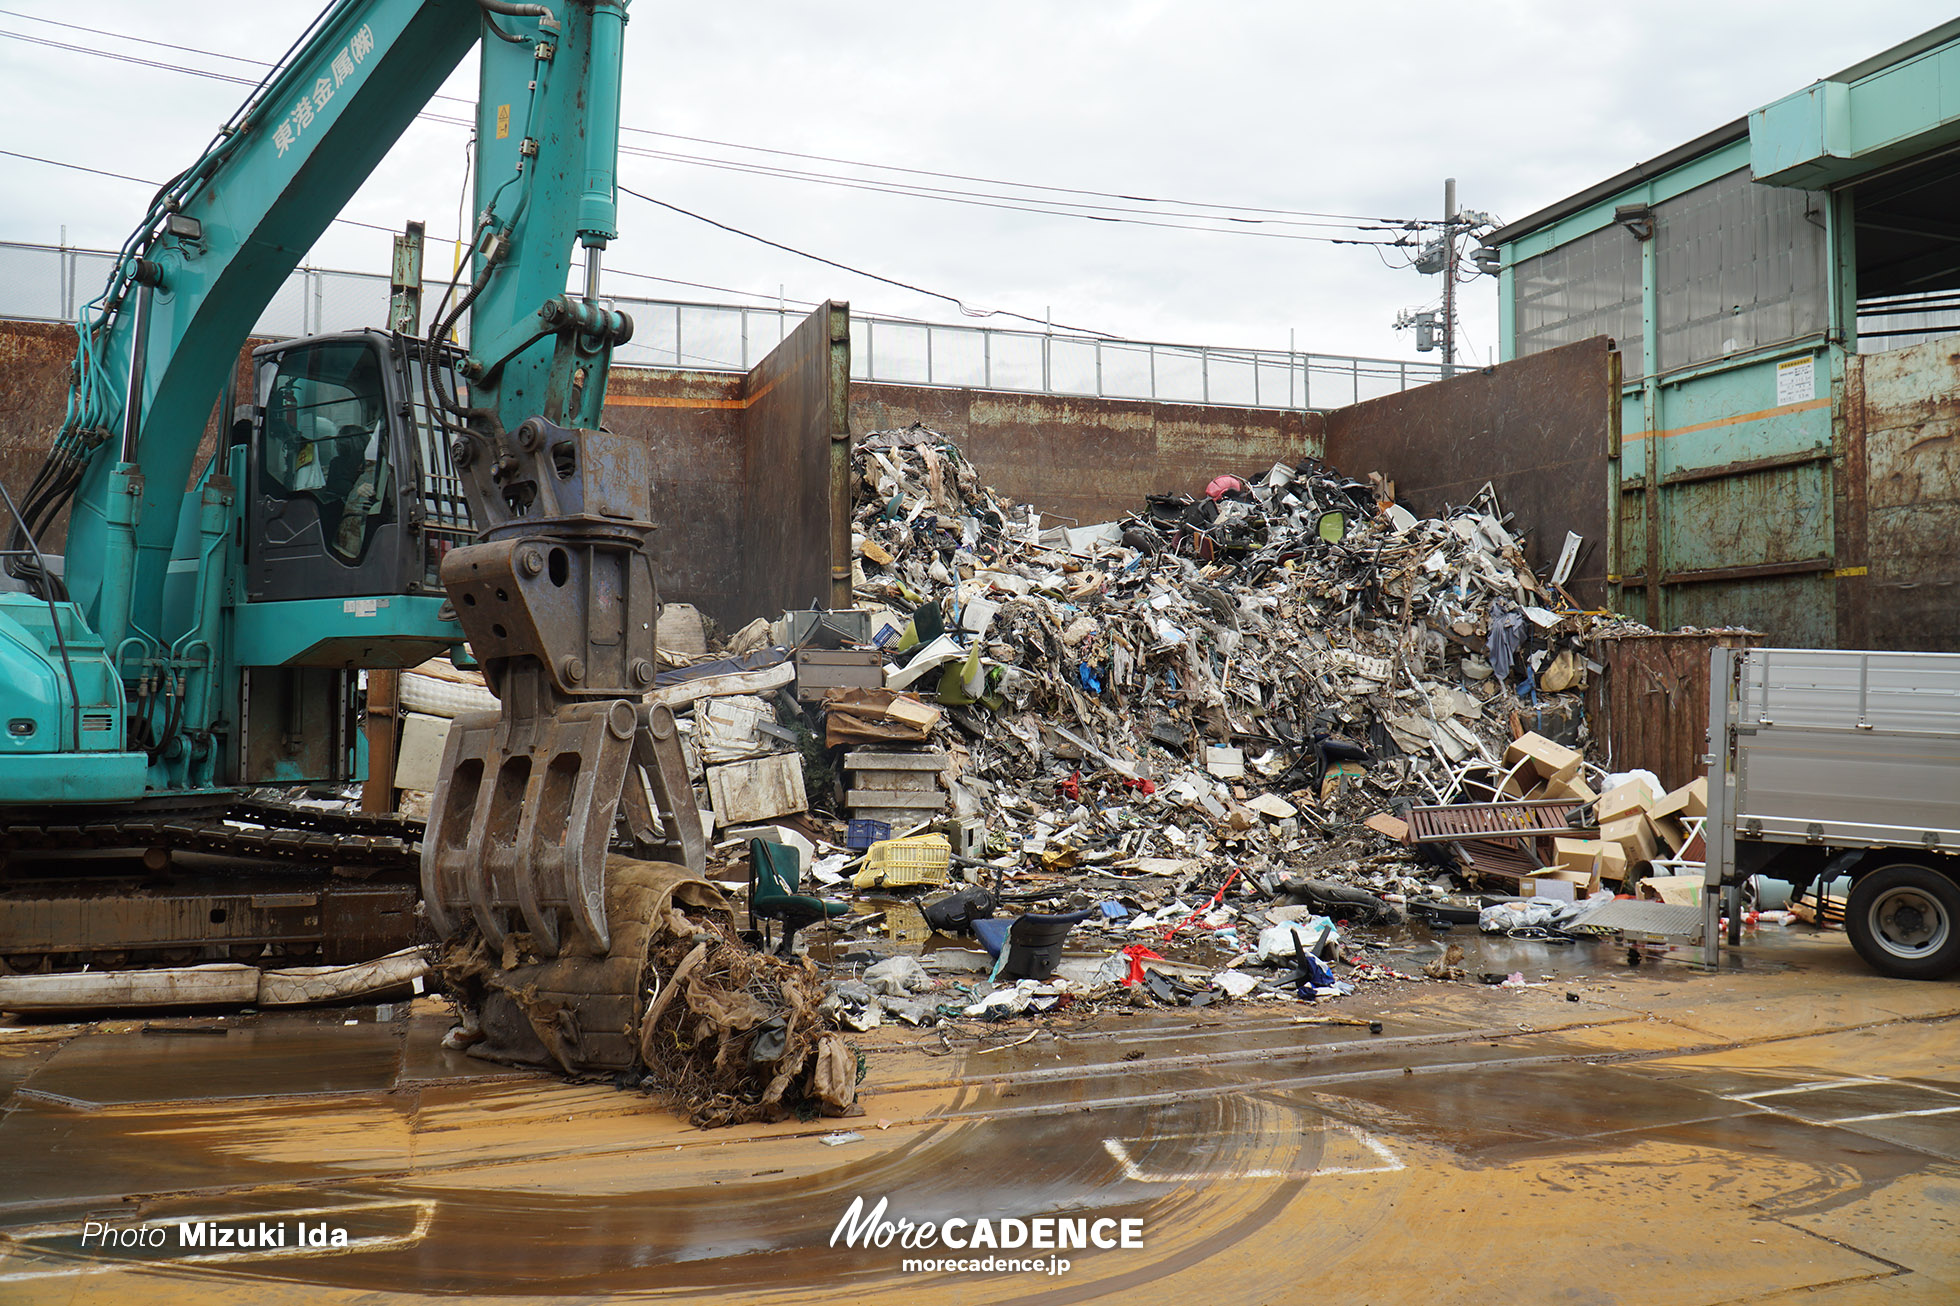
(1825, 763)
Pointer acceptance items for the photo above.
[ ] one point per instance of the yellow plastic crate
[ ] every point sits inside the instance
(924, 859)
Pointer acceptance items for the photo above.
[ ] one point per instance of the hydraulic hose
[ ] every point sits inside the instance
(509, 10)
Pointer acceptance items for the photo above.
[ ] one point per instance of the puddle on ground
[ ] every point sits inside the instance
(698, 1222)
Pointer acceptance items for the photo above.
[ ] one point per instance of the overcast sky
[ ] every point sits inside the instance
(1350, 109)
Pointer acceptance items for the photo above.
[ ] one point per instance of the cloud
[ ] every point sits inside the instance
(1353, 109)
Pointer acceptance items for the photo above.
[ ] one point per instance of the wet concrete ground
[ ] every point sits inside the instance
(1785, 1131)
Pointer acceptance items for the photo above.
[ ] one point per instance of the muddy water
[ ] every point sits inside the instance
(692, 1220)
(1229, 1134)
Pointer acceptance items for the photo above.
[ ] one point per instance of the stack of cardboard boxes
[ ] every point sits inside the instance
(1635, 825)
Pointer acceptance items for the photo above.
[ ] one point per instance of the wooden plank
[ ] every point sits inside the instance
(898, 818)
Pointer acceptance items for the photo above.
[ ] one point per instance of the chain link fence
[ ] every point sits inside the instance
(45, 283)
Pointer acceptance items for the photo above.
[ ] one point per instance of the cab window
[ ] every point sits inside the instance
(326, 439)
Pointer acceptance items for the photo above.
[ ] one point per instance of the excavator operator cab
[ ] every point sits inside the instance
(352, 492)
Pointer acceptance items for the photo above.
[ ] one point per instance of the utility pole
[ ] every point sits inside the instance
(1438, 329)
(1449, 276)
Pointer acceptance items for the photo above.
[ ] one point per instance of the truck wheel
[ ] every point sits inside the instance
(1904, 920)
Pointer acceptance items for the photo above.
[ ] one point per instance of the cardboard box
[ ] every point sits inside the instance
(1391, 825)
(1576, 854)
(1550, 760)
(1573, 789)
(1683, 890)
(1635, 834)
(1612, 863)
(1671, 832)
(1556, 887)
(1625, 800)
(1690, 800)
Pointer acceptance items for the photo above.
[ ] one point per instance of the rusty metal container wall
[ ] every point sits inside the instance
(1091, 460)
(1901, 429)
(1649, 707)
(34, 359)
(789, 494)
(744, 480)
(693, 423)
(34, 363)
(719, 442)
(1536, 428)
(1747, 494)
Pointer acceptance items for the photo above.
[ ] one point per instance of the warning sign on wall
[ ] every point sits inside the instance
(1796, 381)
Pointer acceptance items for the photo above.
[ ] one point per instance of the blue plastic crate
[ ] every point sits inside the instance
(859, 835)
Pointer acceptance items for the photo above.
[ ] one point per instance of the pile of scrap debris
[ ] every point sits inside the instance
(1167, 759)
(1234, 673)
(1198, 732)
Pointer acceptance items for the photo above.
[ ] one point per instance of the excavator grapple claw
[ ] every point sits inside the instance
(520, 822)
(558, 603)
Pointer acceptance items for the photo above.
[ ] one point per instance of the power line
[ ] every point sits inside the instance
(1351, 218)
(944, 195)
(972, 199)
(845, 267)
(76, 167)
(131, 59)
(136, 40)
(390, 231)
(1015, 202)
(1359, 221)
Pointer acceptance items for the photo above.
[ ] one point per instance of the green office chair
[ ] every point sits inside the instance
(774, 874)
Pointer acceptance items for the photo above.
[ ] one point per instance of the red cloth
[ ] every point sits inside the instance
(1138, 954)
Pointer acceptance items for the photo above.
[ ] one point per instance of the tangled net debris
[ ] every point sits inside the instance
(679, 1006)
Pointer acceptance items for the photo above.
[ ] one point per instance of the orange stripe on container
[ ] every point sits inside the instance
(665, 401)
(1804, 407)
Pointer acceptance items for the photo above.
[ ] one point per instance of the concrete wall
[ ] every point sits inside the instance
(1091, 459)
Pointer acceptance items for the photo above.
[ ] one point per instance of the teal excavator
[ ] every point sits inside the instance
(370, 499)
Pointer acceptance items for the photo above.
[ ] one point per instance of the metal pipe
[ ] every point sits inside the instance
(1449, 278)
(139, 349)
(598, 210)
(515, 38)
(1650, 402)
(592, 257)
(54, 616)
